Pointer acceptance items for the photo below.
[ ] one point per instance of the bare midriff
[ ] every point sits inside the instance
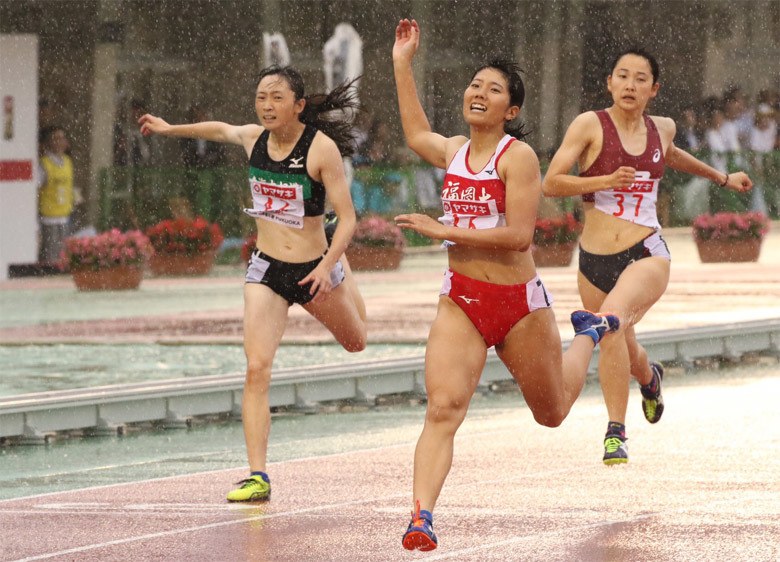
(292, 245)
(605, 234)
(502, 267)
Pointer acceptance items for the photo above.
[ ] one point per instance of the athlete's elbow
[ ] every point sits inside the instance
(520, 243)
(550, 187)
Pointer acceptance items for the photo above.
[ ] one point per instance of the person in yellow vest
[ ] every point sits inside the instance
(55, 193)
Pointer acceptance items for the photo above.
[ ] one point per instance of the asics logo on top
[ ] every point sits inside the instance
(656, 155)
(468, 300)
(296, 162)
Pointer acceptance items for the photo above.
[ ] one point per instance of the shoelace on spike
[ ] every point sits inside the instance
(416, 517)
(613, 444)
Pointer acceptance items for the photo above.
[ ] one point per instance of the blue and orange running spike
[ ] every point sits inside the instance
(419, 535)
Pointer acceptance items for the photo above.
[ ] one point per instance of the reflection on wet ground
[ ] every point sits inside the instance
(40, 368)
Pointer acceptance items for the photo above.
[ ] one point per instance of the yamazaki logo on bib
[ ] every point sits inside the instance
(280, 192)
(642, 184)
(282, 204)
(470, 214)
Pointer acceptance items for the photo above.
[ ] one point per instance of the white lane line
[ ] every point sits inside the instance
(536, 536)
(286, 514)
(509, 429)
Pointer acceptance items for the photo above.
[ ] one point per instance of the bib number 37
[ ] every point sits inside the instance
(620, 201)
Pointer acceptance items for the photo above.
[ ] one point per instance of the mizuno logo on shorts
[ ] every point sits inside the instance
(468, 300)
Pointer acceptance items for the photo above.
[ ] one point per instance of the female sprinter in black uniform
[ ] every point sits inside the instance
(492, 295)
(294, 161)
(624, 262)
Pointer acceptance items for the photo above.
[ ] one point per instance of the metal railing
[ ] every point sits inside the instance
(34, 418)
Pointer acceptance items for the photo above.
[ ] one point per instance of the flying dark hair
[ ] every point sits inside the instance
(511, 72)
(640, 52)
(331, 113)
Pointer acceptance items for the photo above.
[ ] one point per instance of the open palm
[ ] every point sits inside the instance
(407, 39)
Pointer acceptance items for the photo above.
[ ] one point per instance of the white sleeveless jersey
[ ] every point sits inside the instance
(474, 199)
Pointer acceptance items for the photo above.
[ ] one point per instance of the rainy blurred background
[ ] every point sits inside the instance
(102, 63)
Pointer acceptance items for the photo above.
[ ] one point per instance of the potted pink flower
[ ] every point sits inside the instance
(554, 240)
(113, 260)
(730, 237)
(377, 244)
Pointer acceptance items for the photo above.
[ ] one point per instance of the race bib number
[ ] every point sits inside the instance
(631, 203)
(282, 204)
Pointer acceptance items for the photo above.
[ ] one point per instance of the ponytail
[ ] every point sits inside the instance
(331, 113)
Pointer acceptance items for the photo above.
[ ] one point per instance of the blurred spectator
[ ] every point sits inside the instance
(687, 136)
(738, 116)
(56, 194)
(379, 186)
(131, 148)
(763, 139)
(714, 137)
(199, 153)
(726, 128)
(45, 113)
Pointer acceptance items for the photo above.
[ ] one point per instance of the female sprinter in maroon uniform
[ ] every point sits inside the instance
(624, 262)
(492, 295)
(294, 162)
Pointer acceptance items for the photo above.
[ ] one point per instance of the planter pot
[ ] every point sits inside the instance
(713, 251)
(374, 259)
(119, 278)
(557, 255)
(181, 264)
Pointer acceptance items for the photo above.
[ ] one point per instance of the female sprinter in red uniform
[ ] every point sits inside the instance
(492, 295)
(294, 161)
(624, 262)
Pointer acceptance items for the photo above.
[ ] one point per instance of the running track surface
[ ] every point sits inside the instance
(701, 485)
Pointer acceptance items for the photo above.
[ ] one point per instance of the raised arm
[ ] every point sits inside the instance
(578, 139)
(244, 135)
(430, 146)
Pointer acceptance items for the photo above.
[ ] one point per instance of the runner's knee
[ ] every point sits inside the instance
(258, 375)
(551, 416)
(446, 410)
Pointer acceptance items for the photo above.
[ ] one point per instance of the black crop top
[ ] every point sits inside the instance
(283, 191)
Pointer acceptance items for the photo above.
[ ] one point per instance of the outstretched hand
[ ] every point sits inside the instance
(407, 39)
(739, 182)
(423, 224)
(151, 124)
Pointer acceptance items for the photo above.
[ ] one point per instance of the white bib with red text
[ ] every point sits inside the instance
(282, 203)
(635, 203)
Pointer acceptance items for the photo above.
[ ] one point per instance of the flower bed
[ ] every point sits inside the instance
(184, 246)
(554, 240)
(731, 226)
(730, 237)
(557, 230)
(111, 260)
(185, 236)
(377, 244)
(106, 250)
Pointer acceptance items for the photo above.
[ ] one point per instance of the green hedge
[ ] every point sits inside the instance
(139, 197)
